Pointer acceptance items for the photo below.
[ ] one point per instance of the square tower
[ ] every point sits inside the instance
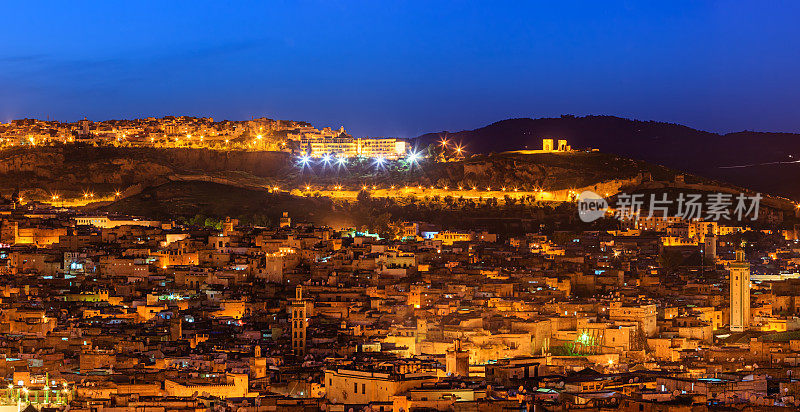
(299, 323)
(740, 293)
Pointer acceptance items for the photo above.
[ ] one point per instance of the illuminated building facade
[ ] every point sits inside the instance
(387, 148)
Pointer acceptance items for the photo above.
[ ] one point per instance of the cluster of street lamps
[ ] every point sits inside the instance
(308, 187)
(25, 391)
(55, 197)
(458, 148)
(328, 159)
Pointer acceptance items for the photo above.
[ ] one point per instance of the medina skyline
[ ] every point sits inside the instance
(399, 206)
(405, 69)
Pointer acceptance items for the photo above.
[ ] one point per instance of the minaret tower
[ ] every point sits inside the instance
(740, 292)
(710, 245)
(299, 322)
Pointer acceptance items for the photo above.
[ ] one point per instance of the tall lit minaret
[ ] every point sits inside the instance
(740, 292)
(298, 308)
(710, 245)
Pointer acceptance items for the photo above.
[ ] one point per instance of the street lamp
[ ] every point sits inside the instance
(413, 157)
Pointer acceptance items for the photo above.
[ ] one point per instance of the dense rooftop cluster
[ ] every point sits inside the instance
(126, 313)
(169, 132)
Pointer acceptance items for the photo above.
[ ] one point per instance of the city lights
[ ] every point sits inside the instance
(266, 258)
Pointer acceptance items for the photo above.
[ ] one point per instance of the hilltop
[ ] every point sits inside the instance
(672, 145)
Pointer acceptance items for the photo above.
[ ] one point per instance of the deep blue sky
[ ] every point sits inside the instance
(405, 68)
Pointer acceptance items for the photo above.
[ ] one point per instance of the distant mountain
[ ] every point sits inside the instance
(768, 158)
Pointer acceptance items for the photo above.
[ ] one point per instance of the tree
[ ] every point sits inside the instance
(197, 220)
(670, 260)
(363, 198)
(212, 223)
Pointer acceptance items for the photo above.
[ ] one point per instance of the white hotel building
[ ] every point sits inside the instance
(388, 148)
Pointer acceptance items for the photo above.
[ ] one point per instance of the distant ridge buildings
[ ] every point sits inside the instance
(203, 132)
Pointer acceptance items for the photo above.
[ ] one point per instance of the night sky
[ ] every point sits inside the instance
(385, 68)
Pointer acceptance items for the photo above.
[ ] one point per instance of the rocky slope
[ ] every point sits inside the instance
(82, 167)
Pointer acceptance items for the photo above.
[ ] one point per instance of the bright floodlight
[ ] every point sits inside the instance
(304, 160)
(379, 161)
(413, 157)
(341, 161)
(326, 158)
